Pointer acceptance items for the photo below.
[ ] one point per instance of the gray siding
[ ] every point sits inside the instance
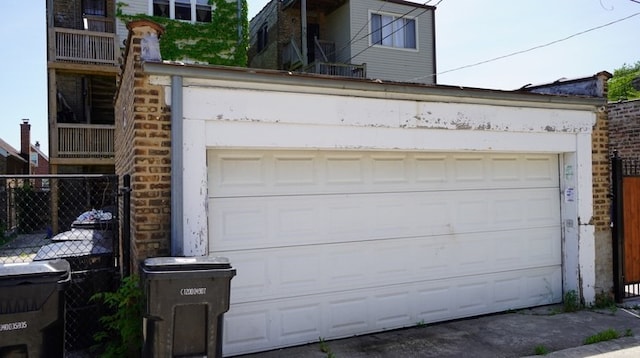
(387, 63)
(338, 31)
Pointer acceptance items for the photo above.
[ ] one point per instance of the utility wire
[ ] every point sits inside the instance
(529, 49)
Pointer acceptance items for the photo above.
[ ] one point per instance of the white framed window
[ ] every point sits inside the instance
(34, 158)
(393, 31)
(186, 10)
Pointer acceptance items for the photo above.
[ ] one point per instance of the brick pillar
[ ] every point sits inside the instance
(143, 146)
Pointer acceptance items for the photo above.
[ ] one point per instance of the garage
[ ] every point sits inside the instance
(334, 243)
(350, 207)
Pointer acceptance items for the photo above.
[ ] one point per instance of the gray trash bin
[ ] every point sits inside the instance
(186, 298)
(31, 308)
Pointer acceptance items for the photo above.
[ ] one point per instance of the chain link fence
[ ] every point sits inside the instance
(70, 217)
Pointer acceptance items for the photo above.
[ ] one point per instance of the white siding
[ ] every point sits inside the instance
(130, 7)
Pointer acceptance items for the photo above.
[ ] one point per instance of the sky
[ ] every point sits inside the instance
(467, 32)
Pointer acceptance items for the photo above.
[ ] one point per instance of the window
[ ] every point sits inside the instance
(187, 10)
(263, 37)
(34, 158)
(393, 31)
(94, 7)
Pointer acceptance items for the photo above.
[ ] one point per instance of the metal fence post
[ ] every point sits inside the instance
(617, 226)
(126, 225)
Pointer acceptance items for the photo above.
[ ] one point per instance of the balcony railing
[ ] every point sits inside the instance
(83, 46)
(291, 56)
(85, 141)
(338, 69)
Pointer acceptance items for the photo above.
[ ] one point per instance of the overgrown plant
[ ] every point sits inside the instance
(223, 41)
(122, 329)
(571, 301)
(621, 84)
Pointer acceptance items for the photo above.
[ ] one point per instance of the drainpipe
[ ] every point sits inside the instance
(240, 22)
(177, 208)
(303, 31)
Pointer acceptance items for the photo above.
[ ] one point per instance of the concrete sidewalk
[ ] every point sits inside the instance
(514, 334)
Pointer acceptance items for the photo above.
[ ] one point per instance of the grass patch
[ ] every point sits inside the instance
(541, 350)
(606, 335)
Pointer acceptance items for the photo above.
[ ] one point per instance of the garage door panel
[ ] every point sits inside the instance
(245, 173)
(288, 321)
(265, 222)
(335, 243)
(302, 270)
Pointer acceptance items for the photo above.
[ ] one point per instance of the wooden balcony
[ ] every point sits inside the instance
(87, 141)
(83, 46)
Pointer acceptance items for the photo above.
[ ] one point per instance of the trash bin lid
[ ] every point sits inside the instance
(76, 248)
(186, 263)
(81, 234)
(49, 271)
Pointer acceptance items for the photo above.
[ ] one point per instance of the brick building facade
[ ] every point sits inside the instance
(624, 126)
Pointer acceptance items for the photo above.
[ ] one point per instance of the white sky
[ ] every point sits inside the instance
(467, 32)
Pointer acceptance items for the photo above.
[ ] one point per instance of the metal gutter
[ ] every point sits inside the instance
(177, 174)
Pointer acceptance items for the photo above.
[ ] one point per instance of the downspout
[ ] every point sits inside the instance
(303, 31)
(177, 203)
(240, 23)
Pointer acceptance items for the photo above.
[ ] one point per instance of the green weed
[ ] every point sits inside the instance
(541, 350)
(324, 348)
(604, 300)
(606, 335)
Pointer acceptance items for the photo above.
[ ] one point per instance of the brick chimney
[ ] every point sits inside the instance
(25, 138)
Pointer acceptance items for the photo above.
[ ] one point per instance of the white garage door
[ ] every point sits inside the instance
(336, 243)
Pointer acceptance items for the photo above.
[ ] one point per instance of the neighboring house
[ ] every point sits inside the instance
(196, 31)
(385, 40)
(388, 204)
(84, 40)
(11, 162)
(28, 160)
(38, 161)
(82, 68)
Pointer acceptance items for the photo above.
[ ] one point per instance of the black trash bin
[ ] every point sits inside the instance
(93, 270)
(186, 298)
(31, 308)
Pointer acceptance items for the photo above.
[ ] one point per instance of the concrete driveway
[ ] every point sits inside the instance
(514, 334)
